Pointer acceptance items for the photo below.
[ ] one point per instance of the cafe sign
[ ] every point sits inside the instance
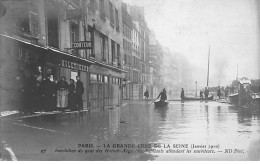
(74, 65)
(82, 45)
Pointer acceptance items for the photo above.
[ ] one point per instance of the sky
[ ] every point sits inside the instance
(188, 27)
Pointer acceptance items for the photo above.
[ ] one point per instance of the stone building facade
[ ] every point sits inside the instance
(37, 36)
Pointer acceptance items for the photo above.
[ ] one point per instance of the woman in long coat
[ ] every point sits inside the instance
(62, 93)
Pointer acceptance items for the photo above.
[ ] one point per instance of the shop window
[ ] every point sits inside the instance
(93, 77)
(52, 70)
(105, 79)
(73, 75)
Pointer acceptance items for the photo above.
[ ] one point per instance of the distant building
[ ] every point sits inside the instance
(128, 49)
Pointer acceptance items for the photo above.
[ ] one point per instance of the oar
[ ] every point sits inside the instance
(154, 100)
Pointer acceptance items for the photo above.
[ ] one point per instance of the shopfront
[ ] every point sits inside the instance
(105, 88)
(60, 65)
(20, 60)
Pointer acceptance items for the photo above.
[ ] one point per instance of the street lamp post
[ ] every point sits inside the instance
(196, 89)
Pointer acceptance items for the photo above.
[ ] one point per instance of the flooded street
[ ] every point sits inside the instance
(139, 123)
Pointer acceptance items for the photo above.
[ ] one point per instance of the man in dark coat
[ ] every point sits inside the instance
(206, 93)
(71, 96)
(78, 94)
(219, 92)
(163, 95)
(48, 93)
(182, 94)
(146, 94)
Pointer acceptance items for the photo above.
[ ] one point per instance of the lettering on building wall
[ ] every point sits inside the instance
(26, 55)
(74, 65)
(82, 45)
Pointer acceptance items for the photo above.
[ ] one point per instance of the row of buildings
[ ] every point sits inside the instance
(105, 42)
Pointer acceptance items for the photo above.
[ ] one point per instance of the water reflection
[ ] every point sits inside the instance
(142, 123)
(162, 111)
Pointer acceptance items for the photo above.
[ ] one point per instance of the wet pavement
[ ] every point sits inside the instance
(136, 126)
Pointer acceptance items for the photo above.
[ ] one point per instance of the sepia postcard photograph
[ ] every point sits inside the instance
(129, 80)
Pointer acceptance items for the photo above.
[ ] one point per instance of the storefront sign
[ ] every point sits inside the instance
(82, 45)
(73, 65)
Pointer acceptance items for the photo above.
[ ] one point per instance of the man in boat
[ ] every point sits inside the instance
(163, 95)
(182, 94)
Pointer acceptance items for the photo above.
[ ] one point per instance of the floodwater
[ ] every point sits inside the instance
(233, 133)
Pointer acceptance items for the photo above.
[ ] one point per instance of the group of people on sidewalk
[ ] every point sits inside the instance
(48, 95)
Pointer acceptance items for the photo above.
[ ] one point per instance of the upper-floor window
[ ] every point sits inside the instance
(102, 9)
(111, 12)
(103, 40)
(118, 54)
(93, 5)
(74, 34)
(117, 20)
(113, 50)
(52, 24)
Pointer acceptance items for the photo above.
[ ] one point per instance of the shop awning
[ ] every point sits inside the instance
(24, 42)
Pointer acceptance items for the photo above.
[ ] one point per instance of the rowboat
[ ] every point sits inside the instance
(197, 99)
(161, 103)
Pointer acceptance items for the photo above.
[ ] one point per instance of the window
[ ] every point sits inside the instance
(105, 79)
(52, 25)
(118, 55)
(111, 12)
(103, 47)
(90, 37)
(102, 9)
(117, 20)
(73, 75)
(74, 35)
(93, 77)
(125, 58)
(113, 50)
(93, 6)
